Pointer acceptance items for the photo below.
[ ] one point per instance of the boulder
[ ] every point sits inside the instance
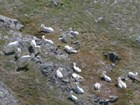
(112, 56)
(10, 23)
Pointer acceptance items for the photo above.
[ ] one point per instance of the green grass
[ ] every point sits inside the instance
(95, 38)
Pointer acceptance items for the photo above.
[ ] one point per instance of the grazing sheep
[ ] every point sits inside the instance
(132, 75)
(46, 29)
(73, 97)
(99, 19)
(17, 53)
(13, 44)
(11, 47)
(59, 73)
(24, 58)
(23, 61)
(79, 90)
(62, 39)
(76, 69)
(77, 77)
(47, 40)
(73, 33)
(121, 84)
(69, 49)
(36, 48)
(106, 78)
(97, 86)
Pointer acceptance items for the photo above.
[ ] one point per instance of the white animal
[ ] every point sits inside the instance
(99, 19)
(77, 77)
(24, 58)
(121, 84)
(35, 46)
(79, 90)
(132, 75)
(106, 78)
(18, 52)
(70, 49)
(62, 39)
(46, 29)
(59, 73)
(73, 97)
(73, 33)
(76, 69)
(97, 86)
(47, 40)
(13, 44)
(33, 43)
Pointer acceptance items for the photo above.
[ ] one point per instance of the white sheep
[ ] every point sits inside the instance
(13, 44)
(106, 78)
(76, 69)
(77, 77)
(33, 43)
(18, 52)
(73, 97)
(24, 58)
(99, 19)
(79, 90)
(35, 46)
(132, 75)
(121, 84)
(59, 73)
(73, 33)
(97, 86)
(11, 47)
(46, 29)
(69, 49)
(47, 40)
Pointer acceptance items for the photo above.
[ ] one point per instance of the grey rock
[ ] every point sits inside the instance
(2, 94)
(10, 23)
(6, 98)
(46, 68)
(113, 98)
(57, 2)
(104, 102)
(66, 80)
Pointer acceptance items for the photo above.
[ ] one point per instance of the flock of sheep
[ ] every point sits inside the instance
(97, 86)
(23, 60)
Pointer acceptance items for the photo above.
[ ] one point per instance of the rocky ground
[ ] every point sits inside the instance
(104, 27)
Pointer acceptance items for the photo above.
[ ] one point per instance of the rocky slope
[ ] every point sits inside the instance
(104, 26)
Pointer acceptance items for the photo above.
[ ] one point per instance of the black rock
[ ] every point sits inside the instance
(31, 49)
(112, 56)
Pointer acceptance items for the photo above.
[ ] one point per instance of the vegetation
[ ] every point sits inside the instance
(116, 32)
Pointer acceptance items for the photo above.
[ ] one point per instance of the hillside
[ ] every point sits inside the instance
(104, 26)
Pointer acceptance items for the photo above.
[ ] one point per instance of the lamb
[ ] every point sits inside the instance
(70, 50)
(46, 29)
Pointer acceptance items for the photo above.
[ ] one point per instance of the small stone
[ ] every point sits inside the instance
(2, 94)
(113, 98)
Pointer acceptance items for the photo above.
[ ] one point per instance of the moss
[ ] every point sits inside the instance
(2, 42)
